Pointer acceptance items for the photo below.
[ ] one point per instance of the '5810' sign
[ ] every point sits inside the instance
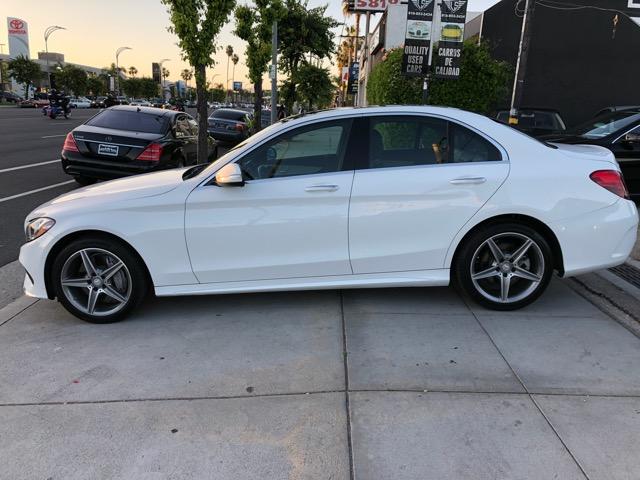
(370, 5)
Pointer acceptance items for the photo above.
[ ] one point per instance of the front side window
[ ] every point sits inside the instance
(413, 141)
(314, 149)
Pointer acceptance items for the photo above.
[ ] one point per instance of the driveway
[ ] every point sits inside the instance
(365, 384)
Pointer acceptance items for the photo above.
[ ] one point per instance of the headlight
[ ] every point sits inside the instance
(38, 227)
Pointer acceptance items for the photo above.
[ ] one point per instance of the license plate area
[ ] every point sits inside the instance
(110, 150)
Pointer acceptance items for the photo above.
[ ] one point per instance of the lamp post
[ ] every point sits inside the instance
(47, 33)
(118, 52)
(161, 77)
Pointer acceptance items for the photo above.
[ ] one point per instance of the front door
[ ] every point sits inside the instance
(289, 219)
(627, 152)
(424, 179)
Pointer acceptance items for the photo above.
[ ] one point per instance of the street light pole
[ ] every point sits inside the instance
(521, 64)
(118, 52)
(47, 33)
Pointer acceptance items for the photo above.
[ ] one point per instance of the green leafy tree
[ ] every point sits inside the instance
(315, 86)
(217, 94)
(132, 87)
(484, 83)
(96, 85)
(148, 88)
(197, 23)
(253, 25)
(71, 78)
(24, 71)
(303, 32)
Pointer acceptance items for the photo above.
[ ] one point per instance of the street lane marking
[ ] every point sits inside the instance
(6, 199)
(51, 136)
(29, 166)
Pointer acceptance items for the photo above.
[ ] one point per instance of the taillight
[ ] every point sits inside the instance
(152, 153)
(70, 143)
(611, 180)
(240, 127)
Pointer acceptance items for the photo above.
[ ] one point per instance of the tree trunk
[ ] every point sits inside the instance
(203, 144)
(257, 105)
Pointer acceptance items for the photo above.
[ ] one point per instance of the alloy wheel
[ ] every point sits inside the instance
(507, 267)
(96, 282)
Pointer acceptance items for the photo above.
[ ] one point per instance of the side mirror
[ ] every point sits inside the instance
(632, 137)
(230, 176)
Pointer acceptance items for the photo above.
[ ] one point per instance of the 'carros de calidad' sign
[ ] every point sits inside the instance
(453, 15)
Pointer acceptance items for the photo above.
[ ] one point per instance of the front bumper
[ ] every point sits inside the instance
(597, 240)
(33, 256)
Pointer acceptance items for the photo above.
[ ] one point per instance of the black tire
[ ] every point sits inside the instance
(84, 181)
(475, 254)
(139, 284)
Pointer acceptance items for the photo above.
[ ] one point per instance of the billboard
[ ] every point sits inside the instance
(155, 72)
(354, 78)
(417, 42)
(237, 86)
(18, 31)
(453, 16)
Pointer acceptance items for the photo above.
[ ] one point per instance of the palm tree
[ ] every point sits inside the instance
(347, 13)
(229, 51)
(133, 71)
(186, 75)
(235, 59)
(165, 73)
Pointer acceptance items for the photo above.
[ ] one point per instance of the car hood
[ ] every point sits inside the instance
(138, 186)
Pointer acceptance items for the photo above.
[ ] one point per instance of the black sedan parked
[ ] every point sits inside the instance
(124, 140)
(619, 131)
(229, 125)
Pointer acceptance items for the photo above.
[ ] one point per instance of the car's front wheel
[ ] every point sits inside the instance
(504, 266)
(98, 280)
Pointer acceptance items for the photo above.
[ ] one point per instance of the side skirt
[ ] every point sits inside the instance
(418, 278)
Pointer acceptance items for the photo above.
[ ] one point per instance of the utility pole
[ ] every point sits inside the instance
(427, 78)
(521, 64)
(273, 73)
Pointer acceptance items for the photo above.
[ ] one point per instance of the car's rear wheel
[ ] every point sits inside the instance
(97, 280)
(84, 181)
(504, 266)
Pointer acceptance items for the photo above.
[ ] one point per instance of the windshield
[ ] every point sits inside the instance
(606, 125)
(130, 120)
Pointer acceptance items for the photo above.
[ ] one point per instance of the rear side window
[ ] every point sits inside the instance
(468, 146)
(130, 120)
(230, 115)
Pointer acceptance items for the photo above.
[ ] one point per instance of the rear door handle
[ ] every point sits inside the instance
(321, 188)
(468, 181)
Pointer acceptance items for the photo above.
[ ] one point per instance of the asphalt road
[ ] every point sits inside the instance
(30, 171)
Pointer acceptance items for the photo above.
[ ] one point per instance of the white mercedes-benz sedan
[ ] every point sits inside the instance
(348, 198)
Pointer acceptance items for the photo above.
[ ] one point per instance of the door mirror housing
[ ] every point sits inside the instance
(632, 138)
(230, 176)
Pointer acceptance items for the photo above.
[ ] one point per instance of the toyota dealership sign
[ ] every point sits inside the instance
(18, 37)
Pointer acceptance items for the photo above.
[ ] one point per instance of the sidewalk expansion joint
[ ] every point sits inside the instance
(345, 357)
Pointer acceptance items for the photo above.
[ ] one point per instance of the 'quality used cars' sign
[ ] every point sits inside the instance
(453, 15)
(415, 61)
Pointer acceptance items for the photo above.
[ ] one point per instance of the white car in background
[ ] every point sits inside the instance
(140, 103)
(350, 198)
(79, 102)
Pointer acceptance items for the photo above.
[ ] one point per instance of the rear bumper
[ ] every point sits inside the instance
(79, 165)
(601, 239)
(227, 136)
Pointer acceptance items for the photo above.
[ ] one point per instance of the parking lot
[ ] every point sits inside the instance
(366, 384)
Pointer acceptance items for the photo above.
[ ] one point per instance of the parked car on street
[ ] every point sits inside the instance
(122, 100)
(619, 131)
(229, 125)
(535, 121)
(125, 140)
(378, 197)
(616, 108)
(40, 100)
(98, 102)
(10, 97)
(79, 102)
(140, 102)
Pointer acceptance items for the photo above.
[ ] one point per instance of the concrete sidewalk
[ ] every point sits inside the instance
(365, 384)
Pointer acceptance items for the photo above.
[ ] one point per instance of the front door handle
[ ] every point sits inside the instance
(467, 181)
(321, 188)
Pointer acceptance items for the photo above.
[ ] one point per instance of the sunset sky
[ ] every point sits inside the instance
(96, 28)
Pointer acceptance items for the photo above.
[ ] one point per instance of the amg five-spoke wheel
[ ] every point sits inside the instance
(98, 280)
(504, 266)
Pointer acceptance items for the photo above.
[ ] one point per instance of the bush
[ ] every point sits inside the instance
(484, 83)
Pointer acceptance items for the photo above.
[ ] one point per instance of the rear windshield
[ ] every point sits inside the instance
(229, 115)
(130, 120)
(607, 124)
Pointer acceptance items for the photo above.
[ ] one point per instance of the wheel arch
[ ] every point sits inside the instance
(527, 220)
(64, 241)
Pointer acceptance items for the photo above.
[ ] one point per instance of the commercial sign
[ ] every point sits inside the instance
(354, 75)
(415, 59)
(237, 86)
(155, 72)
(453, 15)
(634, 10)
(370, 5)
(18, 37)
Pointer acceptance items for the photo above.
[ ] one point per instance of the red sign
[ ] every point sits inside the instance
(372, 5)
(16, 24)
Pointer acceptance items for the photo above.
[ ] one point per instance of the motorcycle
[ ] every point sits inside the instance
(56, 108)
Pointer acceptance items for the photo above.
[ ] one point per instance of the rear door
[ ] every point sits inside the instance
(423, 179)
